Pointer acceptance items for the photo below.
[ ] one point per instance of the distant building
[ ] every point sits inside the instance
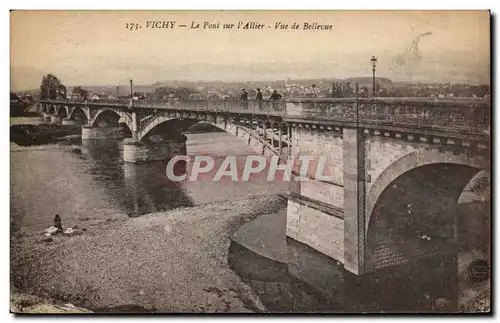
(194, 96)
(75, 96)
(95, 97)
(139, 95)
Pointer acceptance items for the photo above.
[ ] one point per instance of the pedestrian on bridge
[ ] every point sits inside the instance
(244, 98)
(275, 96)
(259, 95)
(259, 98)
(244, 95)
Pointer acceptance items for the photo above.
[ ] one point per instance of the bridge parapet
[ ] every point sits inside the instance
(448, 115)
(470, 116)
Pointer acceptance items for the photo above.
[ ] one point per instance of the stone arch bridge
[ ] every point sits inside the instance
(397, 166)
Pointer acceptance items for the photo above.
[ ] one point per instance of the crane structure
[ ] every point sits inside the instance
(410, 58)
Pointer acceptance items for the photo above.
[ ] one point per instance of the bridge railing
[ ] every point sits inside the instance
(446, 114)
(450, 115)
(277, 108)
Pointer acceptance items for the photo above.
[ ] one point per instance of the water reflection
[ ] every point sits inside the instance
(315, 285)
(276, 288)
(135, 188)
(148, 189)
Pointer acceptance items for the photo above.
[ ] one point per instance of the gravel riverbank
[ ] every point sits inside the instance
(173, 261)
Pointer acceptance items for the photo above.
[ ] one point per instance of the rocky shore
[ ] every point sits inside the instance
(173, 261)
(42, 134)
(29, 304)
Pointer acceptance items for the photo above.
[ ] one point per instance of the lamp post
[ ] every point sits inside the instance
(373, 61)
(118, 92)
(131, 89)
(131, 103)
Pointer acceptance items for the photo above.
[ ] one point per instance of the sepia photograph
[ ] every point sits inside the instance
(250, 161)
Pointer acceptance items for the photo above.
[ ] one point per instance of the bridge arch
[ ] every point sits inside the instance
(158, 120)
(237, 130)
(422, 157)
(153, 123)
(74, 111)
(416, 194)
(61, 111)
(124, 116)
(51, 108)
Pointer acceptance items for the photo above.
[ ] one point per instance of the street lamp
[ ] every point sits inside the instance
(131, 89)
(373, 60)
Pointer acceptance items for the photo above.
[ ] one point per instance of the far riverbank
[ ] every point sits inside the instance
(34, 133)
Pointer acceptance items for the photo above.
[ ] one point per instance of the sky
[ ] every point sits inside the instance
(96, 48)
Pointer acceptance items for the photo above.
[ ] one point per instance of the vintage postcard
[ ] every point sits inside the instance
(250, 161)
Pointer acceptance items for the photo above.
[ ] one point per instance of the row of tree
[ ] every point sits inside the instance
(52, 88)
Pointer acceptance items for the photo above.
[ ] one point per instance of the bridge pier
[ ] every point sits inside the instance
(136, 151)
(89, 132)
(328, 215)
(55, 119)
(354, 200)
(46, 117)
(68, 122)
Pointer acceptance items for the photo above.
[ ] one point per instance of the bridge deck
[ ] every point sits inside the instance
(454, 116)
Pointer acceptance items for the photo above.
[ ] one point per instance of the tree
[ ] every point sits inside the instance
(52, 88)
(81, 92)
(14, 98)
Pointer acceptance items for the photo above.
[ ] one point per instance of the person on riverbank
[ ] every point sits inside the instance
(58, 223)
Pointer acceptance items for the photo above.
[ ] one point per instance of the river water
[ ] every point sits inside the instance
(88, 183)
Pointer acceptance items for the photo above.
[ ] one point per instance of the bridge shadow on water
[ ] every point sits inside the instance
(136, 189)
(426, 286)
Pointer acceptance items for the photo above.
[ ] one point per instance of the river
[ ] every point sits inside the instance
(89, 182)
